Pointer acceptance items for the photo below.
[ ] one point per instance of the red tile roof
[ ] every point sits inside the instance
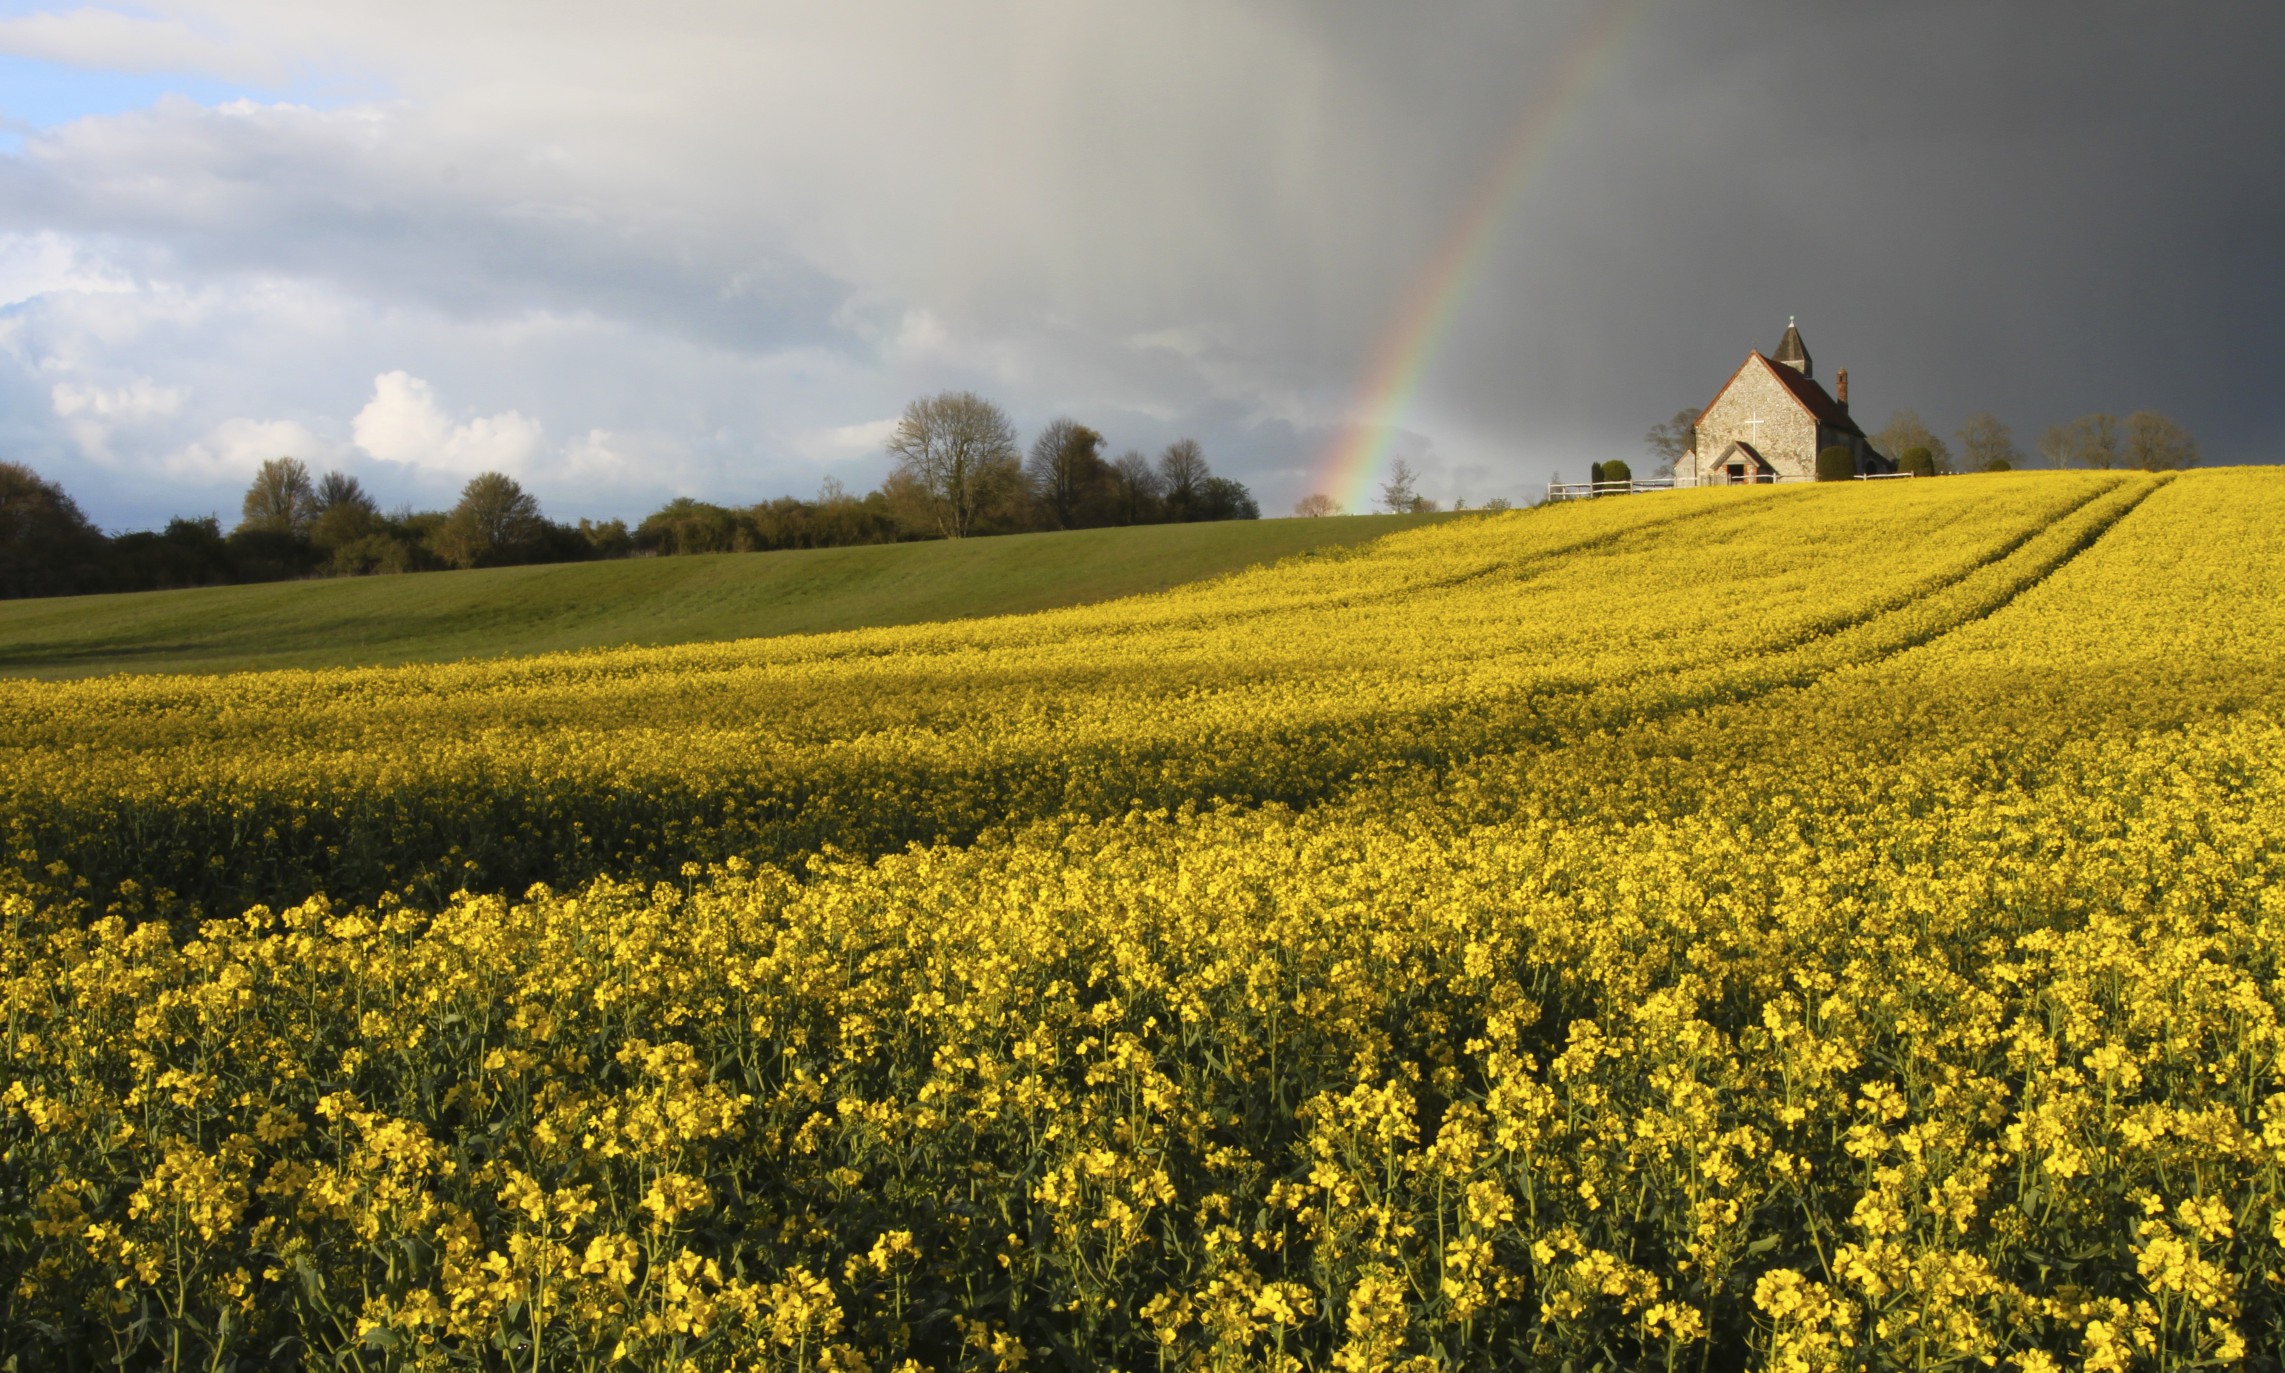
(1813, 398)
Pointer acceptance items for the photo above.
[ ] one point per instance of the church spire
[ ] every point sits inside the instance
(1792, 352)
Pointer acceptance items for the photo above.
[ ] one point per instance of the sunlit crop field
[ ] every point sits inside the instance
(1797, 928)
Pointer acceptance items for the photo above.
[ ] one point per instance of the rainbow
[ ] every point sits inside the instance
(1356, 457)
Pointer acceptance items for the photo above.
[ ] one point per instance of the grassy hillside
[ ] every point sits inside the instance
(441, 616)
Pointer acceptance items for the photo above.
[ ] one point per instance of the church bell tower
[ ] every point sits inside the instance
(1792, 352)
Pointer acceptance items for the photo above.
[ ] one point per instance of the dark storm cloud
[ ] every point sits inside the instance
(2032, 210)
(754, 231)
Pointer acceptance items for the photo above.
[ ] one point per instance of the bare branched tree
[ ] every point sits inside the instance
(2088, 441)
(1182, 476)
(1986, 444)
(1904, 431)
(1669, 441)
(1135, 485)
(1316, 506)
(1398, 493)
(959, 452)
(338, 489)
(2159, 443)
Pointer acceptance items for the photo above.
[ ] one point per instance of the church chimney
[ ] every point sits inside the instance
(1841, 389)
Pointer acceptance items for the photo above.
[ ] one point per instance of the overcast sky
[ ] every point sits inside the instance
(631, 252)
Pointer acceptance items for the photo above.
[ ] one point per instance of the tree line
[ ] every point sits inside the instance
(958, 472)
(2146, 439)
(290, 525)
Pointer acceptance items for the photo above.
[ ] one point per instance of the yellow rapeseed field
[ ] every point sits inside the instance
(1796, 928)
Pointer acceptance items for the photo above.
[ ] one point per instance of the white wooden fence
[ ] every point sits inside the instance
(1579, 491)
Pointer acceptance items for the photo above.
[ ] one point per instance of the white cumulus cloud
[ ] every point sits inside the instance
(403, 423)
(39, 264)
(851, 440)
(92, 414)
(139, 399)
(235, 448)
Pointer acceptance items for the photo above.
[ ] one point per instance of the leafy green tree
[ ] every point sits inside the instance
(684, 525)
(345, 513)
(190, 551)
(280, 500)
(839, 520)
(958, 452)
(47, 547)
(607, 538)
(497, 522)
(1223, 498)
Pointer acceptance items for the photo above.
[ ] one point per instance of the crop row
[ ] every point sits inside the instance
(1278, 685)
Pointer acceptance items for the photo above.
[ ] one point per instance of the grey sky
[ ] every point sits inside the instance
(710, 249)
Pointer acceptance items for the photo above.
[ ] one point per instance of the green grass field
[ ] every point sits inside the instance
(439, 616)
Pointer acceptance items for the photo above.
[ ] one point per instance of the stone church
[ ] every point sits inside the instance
(1771, 419)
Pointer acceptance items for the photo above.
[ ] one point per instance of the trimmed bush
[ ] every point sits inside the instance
(1836, 464)
(1617, 471)
(1918, 461)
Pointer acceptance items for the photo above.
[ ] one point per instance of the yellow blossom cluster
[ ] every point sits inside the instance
(1804, 929)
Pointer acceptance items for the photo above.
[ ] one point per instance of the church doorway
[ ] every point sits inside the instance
(1740, 465)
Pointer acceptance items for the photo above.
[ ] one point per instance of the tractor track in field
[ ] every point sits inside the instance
(1558, 715)
(2040, 569)
(1830, 628)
